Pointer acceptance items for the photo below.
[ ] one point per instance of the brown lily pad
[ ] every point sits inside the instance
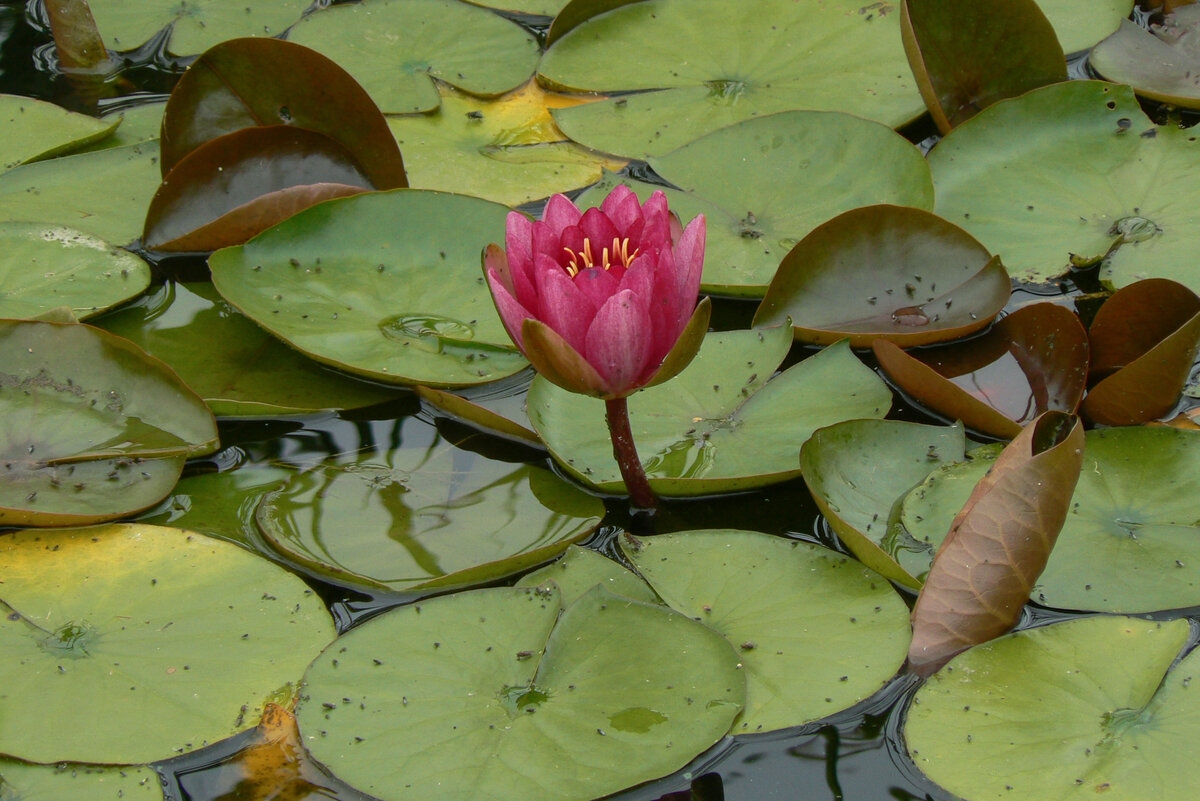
(998, 544)
(1032, 361)
(966, 56)
(885, 272)
(246, 83)
(1162, 64)
(237, 185)
(1144, 339)
(577, 12)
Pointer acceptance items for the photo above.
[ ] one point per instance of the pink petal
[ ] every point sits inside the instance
(618, 342)
(512, 313)
(560, 212)
(597, 286)
(518, 236)
(546, 240)
(495, 260)
(623, 208)
(657, 231)
(571, 239)
(676, 227)
(599, 229)
(689, 256)
(562, 306)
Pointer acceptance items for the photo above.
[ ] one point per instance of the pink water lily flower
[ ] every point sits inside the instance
(603, 301)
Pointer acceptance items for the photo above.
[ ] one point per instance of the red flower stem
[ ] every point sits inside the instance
(617, 413)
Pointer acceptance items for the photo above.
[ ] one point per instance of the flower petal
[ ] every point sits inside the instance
(512, 313)
(618, 342)
(689, 255)
(561, 305)
(657, 231)
(496, 260)
(559, 362)
(518, 237)
(597, 285)
(599, 229)
(622, 208)
(560, 212)
(686, 346)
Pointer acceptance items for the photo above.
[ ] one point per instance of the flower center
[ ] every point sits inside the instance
(585, 258)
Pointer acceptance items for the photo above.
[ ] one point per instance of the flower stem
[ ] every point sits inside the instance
(617, 413)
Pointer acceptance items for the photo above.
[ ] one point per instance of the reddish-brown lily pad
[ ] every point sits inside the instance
(245, 83)
(966, 56)
(1144, 339)
(1032, 361)
(885, 272)
(998, 544)
(240, 184)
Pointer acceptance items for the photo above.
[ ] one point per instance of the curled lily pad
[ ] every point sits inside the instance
(174, 639)
(397, 48)
(998, 544)
(73, 782)
(580, 569)
(758, 206)
(576, 12)
(495, 694)
(239, 369)
(195, 25)
(48, 266)
(1129, 543)
(36, 130)
(423, 517)
(495, 422)
(721, 425)
(706, 68)
(1161, 64)
(383, 285)
(966, 56)
(1090, 708)
(1069, 174)
(1032, 361)
(791, 609)
(1144, 339)
(859, 471)
(885, 272)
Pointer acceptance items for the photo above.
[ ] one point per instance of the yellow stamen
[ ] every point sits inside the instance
(584, 259)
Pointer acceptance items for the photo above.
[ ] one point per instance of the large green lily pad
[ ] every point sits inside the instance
(859, 471)
(1090, 708)
(1081, 23)
(1068, 174)
(423, 517)
(792, 609)
(104, 193)
(1130, 542)
(765, 184)
(397, 48)
(385, 285)
(173, 639)
(35, 130)
(48, 266)
(712, 65)
(720, 425)
(579, 569)
(239, 369)
(494, 694)
(21, 781)
(196, 25)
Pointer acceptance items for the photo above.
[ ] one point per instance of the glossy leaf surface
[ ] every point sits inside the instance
(35, 130)
(219, 505)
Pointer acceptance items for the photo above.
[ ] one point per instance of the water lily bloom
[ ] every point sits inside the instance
(602, 301)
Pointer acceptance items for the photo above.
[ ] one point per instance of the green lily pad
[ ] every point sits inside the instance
(384, 285)
(36, 130)
(1082, 23)
(492, 694)
(1069, 174)
(1090, 708)
(239, 369)
(544, 8)
(173, 639)
(220, 505)
(759, 206)
(859, 471)
(423, 517)
(1160, 64)
(706, 65)
(48, 266)
(140, 123)
(720, 425)
(791, 609)
(1130, 542)
(504, 416)
(580, 569)
(104, 193)
(196, 25)
(21, 781)
(397, 48)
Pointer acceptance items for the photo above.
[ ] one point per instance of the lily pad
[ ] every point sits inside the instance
(1032, 361)
(1130, 541)
(789, 178)
(496, 422)
(239, 369)
(705, 64)
(423, 517)
(36, 130)
(1161, 64)
(104, 193)
(508, 150)
(1082, 23)
(196, 25)
(220, 505)
(544, 8)
(859, 471)
(1081, 709)
(494, 694)
(48, 266)
(140, 123)
(171, 638)
(873, 273)
(1070, 174)
(580, 569)
(385, 285)
(791, 609)
(722, 425)
(397, 48)
(21, 781)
